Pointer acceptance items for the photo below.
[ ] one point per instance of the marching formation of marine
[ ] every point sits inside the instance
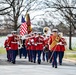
(36, 47)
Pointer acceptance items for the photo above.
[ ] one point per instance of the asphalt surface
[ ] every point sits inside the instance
(23, 67)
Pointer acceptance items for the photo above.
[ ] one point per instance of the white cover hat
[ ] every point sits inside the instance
(9, 35)
(55, 30)
(13, 31)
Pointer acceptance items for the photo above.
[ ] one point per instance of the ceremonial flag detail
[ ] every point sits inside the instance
(23, 27)
(23, 20)
(29, 28)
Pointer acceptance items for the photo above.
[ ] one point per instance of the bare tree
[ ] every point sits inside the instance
(65, 9)
(14, 8)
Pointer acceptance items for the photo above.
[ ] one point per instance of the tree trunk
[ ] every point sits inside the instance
(15, 27)
(70, 38)
(15, 24)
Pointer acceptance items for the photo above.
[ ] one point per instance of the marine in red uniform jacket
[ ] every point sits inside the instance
(45, 44)
(63, 43)
(27, 44)
(39, 42)
(35, 42)
(51, 39)
(6, 44)
(14, 42)
(32, 43)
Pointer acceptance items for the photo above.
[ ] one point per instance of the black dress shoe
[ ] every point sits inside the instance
(52, 65)
(60, 63)
(47, 60)
(39, 62)
(13, 62)
(55, 66)
(34, 61)
(31, 61)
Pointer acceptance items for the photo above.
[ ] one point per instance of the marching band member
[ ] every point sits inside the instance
(20, 48)
(14, 46)
(50, 52)
(45, 48)
(32, 46)
(39, 47)
(62, 48)
(6, 45)
(24, 51)
(35, 47)
(53, 40)
(28, 47)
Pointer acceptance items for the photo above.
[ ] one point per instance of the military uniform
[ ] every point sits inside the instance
(6, 45)
(35, 47)
(14, 46)
(53, 47)
(39, 47)
(45, 48)
(28, 47)
(62, 49)
(32, 48)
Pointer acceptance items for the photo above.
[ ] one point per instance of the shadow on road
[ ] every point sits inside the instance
(22, 61)
(25, 62)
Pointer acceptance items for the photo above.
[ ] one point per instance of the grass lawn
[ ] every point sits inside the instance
(70, 54)
(2, 50)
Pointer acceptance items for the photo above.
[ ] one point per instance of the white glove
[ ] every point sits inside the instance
(43, 47)
(32, 40)
(28, 43)
(9, 47)
(35, 44)
(60, 43)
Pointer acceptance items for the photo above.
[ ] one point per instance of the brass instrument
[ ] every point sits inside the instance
(46, 49)
(46, 30)
(54, 42)
(63, 41)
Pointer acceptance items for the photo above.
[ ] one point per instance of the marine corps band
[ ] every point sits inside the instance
(36, 47)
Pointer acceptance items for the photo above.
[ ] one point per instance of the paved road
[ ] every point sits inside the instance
(23, 67)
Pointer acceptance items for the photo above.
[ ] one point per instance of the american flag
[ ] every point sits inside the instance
(23, 27)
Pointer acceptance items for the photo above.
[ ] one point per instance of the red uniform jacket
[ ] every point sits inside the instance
(56, 47)
(45, 43)
(27, 44)
(13, 43)
(6, 44)
(62, 48)
(35, 42)
(40, 43)
(32, 43)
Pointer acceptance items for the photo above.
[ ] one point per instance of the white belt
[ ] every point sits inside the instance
(39, 43)
(14, 42)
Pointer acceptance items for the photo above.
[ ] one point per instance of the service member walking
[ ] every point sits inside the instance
(53, 40)
(14, 46)
(39, 47)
